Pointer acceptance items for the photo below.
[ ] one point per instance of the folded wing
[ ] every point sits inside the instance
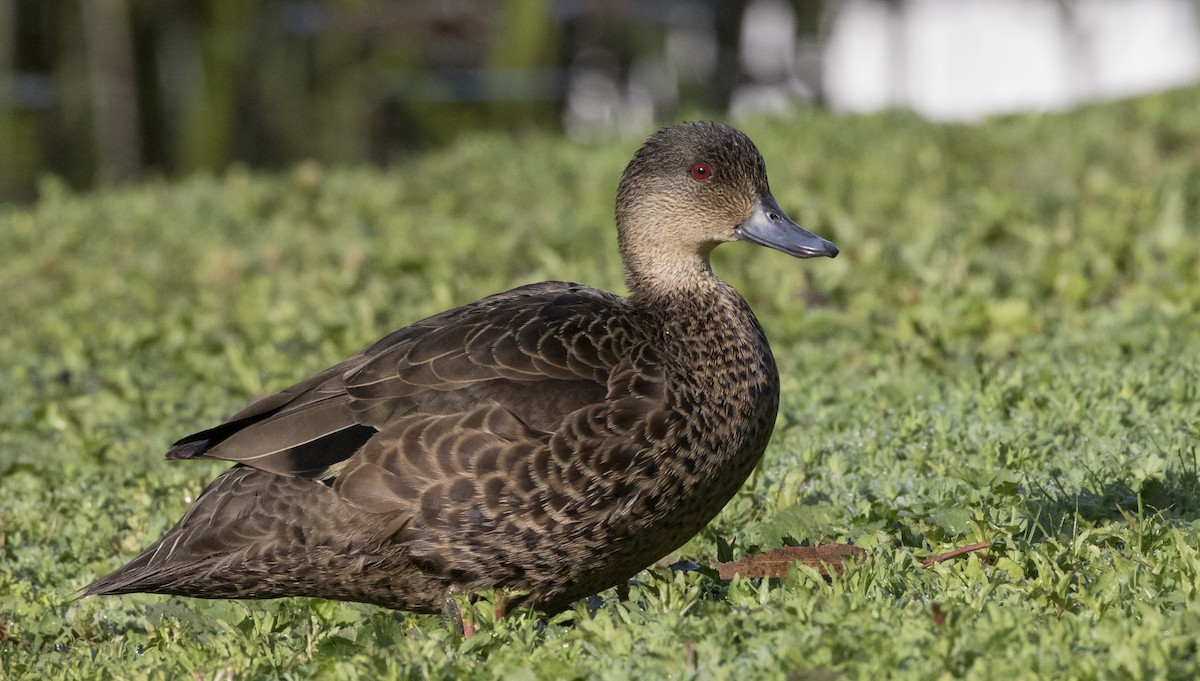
(529, 400)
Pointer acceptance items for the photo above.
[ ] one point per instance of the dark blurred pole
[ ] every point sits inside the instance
(225, 34)
(525, 41)
(526, 36)
(8, 80)
(114, 94)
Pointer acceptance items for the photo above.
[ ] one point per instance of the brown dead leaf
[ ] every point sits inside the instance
(777, 562)
(825, 557)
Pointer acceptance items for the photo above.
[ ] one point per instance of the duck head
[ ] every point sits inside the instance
(693, 186)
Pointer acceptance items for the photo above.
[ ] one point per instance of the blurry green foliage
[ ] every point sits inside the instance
(267, 83)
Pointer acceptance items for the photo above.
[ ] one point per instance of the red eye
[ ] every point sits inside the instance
(701, 171)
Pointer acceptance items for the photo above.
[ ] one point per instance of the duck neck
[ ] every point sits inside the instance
(701, 319)
(660, 276)
(657, 266)
(671, 280)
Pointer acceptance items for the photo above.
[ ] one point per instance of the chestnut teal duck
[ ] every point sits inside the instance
(550, 441)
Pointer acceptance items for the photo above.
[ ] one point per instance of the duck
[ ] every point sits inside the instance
(548, 442)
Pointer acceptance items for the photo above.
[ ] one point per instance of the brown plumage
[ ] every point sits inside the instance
(554, 439)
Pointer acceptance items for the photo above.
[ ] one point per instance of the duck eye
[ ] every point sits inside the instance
(701, 171)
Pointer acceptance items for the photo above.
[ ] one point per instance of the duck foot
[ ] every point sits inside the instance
(452, 617)
(462, 623)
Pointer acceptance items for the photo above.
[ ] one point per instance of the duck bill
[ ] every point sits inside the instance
(769, 226)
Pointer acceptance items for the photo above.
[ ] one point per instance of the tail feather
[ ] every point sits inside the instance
(137, 576)
(244, 512)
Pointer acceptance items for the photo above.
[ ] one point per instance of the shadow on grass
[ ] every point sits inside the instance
(1054, 509)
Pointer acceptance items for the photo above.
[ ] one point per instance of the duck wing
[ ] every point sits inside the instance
(432, 412)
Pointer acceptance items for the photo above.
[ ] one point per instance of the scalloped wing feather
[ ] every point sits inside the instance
(459, 399)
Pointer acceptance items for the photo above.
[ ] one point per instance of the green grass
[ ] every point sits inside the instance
(1008, 349)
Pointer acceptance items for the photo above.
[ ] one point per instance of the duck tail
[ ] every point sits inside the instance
(137, 576)
(206, 534)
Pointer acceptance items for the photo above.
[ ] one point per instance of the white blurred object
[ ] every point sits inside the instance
(1139, 47)
(972, 57)
(785, 67)
(657, 80)
(594, 105)
(768, 40)
(598, 107)
(859, 66)
(652, 87)
(754, 100)
(962, 60)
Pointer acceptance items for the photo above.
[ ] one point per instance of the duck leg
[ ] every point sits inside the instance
(501, 604)
(452, 617)
(462, 622)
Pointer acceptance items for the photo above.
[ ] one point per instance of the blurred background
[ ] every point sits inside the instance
(99, 92)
